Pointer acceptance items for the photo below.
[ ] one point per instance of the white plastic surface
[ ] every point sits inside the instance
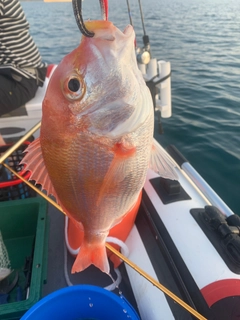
(165, 102)
(152, 303)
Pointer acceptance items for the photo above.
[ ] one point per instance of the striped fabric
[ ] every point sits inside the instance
(17, 48)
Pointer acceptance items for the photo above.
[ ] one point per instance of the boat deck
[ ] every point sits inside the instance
(57, 254)
(56, 278)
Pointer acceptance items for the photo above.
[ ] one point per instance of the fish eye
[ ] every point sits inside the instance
(74, 87)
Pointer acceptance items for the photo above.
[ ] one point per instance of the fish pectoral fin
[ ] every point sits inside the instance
(162, 163)
(91, 254)
(35, 164)
(116, 171)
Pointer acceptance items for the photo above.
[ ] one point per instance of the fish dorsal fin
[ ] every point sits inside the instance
(162, 163)
(35, 164)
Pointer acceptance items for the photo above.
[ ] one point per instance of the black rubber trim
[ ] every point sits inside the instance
(220, 244)
(169, 191)
(227, 308)
(11, 130)
(176, 155)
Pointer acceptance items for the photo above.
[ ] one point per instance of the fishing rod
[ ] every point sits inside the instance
(108, 246)
(146, 41)
(141, 13)
(129, 13)
(19, 142)
(143, 54)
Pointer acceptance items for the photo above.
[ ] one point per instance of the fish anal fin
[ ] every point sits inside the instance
(91, 254)
(34, 163)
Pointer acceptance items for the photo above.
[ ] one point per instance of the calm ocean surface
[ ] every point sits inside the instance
(201, 40)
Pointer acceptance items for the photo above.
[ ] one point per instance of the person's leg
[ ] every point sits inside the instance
(14, 94)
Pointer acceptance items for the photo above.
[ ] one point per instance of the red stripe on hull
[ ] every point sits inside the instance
(221, 289)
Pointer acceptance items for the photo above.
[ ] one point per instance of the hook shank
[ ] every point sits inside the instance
(77, 10)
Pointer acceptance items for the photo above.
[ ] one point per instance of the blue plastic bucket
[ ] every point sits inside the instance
(81, 302)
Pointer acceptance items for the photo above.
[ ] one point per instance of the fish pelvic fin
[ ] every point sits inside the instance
(35, 164)
(162, 163)
(91, 254)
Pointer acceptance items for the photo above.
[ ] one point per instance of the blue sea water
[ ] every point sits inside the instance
(201, 40)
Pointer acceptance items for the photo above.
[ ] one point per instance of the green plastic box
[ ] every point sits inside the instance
(23, 224)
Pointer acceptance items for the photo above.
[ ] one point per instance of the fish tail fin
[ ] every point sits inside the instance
(91, 254)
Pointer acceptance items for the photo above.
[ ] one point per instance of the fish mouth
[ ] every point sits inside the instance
(107, 31)
(128, 30)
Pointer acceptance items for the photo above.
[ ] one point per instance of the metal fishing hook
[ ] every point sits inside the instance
(77, 10)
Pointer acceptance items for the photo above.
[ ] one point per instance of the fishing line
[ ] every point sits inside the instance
(115, 283)
(120, 243)
(111, 287)
(74, 252)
